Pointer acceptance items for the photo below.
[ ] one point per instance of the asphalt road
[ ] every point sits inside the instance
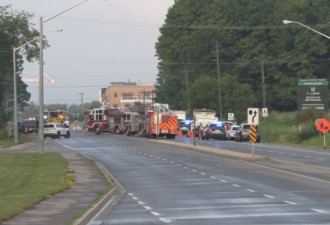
(168, 185)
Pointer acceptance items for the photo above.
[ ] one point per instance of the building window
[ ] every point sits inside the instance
(127, 95)
(115, 105)
(115, 94)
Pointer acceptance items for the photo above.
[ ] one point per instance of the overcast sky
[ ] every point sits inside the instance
(102, 42)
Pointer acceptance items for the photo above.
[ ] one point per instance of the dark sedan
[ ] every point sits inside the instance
(214, 131)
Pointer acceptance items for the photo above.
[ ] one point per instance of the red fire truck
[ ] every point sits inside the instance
(134, 123)
(106, 120)
(160, 122)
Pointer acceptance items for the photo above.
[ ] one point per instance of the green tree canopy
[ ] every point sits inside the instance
(248, 32)
(15, 30)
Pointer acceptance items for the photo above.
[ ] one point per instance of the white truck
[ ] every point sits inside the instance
(202, 117)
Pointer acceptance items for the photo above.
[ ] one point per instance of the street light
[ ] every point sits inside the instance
(41, 77)
(289, 21)
(15, 82)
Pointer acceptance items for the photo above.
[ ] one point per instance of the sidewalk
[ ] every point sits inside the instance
(65, 205)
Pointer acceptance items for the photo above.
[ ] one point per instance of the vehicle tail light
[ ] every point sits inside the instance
(210, 129)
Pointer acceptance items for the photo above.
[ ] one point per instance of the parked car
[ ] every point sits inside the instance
(184, 126)
(214, 130)
(243, 134)
(29, 126)
(56, 130)
(231, 133)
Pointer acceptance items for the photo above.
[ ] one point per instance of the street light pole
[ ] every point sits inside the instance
(41, 80)
(318, 32)
(15, 88)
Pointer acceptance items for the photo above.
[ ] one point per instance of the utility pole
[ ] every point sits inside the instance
(219, 81)
(263, 84)
(187, 86)
(262, 61)
(82, 101)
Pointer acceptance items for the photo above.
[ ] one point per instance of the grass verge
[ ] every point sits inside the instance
(6, 142)
(28, 178)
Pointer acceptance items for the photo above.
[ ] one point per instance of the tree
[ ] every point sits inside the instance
(245, 30)
(15, 30)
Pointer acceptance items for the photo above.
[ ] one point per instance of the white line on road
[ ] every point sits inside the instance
(135, 198)
(154, 213)
(223, 181)
(250, 190)
(147, 207)
(236, 185)
(289, 202)
(269, 196)
(213, 177)
(194, 171)
(318, 210)
(165, 220)
(141, 203)
(202, 173)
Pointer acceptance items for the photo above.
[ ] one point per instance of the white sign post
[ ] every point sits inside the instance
(264, 112)
(231, 116)
(253, 116)
(253, 119)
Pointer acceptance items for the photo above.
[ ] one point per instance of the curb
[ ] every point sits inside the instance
(211, 151)
(96, 207)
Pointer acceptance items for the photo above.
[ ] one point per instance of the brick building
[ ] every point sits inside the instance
(127, 94)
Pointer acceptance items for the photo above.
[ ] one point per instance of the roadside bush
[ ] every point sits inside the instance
(307, 115)
(307, 130)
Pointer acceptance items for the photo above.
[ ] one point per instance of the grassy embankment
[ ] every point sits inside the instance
(294, 128)
(28, 178)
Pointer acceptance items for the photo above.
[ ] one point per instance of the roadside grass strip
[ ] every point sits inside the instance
(28, 178)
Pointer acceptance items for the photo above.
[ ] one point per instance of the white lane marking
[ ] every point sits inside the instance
(306, 156)
(135, 198)
(141, 203)
(164, 160)
(154, 213)
(202, 173)
(157, 157)
(269, 196)
(151, 155)
(213, 177)
(236, 185)
(185, 167)
(147, 207)
(172, 162)
(178, 164)
(247, 215)
(130, 194)
(140, 152)
(318, 210)
(289, 202)
(145, 154)
(250, 190)
(165, 220)
(223, 181)
(194, 171)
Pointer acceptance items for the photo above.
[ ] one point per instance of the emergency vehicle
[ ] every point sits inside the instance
(55, 116)
(134, 123)
(160, 122)
(106, 120)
